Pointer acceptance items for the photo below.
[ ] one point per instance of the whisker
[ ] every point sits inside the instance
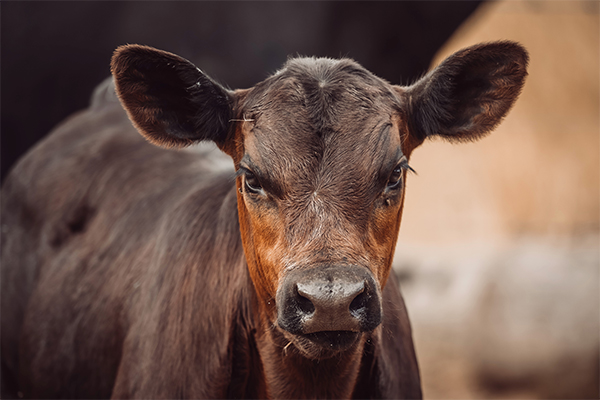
(244, 119)
(285, 348)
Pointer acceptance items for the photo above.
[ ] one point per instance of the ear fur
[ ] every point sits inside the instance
(169, 100)
(469, 93)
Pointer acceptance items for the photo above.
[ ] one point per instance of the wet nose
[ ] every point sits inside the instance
(331, 305)
(331, 298)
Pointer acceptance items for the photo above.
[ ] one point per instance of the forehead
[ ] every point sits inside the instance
(319, 105)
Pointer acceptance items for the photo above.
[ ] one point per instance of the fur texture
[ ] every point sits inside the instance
(169, 100)
(130, 271)
(467, 95)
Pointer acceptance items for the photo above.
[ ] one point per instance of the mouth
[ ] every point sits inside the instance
(325, 344)
(334, 340)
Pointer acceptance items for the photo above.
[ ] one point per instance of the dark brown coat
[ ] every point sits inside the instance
(134, 271)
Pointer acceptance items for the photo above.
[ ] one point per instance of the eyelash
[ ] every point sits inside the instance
(251, 183)
(396, 177)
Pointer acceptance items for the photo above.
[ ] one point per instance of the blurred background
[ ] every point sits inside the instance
(498, 255)
(499, 248)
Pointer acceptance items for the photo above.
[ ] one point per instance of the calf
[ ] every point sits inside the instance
(133, 271)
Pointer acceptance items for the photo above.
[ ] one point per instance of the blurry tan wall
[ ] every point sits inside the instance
(499, 247)
(539, 172)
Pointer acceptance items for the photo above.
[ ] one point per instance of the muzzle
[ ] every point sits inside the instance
(328, 298)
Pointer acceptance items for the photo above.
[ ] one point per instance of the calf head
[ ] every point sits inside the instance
(321, 150)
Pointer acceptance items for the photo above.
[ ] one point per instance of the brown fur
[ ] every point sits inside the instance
(133, 271)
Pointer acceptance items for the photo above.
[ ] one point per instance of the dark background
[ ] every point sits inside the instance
(55, 53)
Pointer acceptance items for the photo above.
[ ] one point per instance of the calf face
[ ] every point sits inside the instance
(321, 150)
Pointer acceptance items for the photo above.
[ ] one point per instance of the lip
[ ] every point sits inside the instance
(335, 341)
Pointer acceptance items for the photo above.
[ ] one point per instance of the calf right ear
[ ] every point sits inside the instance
(169, 100)
(469, 93)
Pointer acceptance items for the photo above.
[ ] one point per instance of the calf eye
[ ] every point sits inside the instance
(252, 184)
(395, 179)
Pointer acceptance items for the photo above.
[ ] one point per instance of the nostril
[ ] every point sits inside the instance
(304, 304)
(359, 304)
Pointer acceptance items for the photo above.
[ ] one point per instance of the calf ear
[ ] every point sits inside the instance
(168, 99)
(467, 95)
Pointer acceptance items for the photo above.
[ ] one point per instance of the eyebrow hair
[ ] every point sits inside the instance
(390, 162)
(246, 164)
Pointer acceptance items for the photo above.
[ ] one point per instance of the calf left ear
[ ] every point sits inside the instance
(467, 95)
(169, 100)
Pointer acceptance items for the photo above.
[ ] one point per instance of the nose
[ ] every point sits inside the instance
(330, 298)
(330, 305)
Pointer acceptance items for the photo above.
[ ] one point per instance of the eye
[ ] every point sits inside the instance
(395, 179)
(252, 184)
